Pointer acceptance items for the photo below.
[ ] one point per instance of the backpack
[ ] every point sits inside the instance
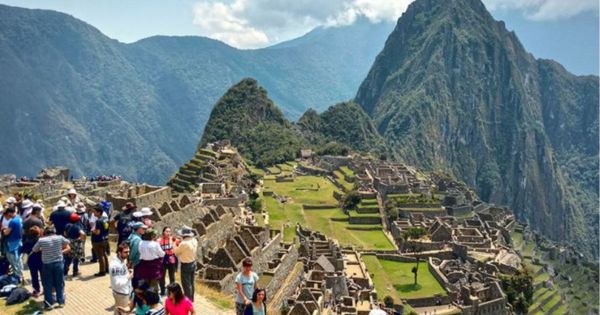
(125, 222)
(7, 289)
(18, 295)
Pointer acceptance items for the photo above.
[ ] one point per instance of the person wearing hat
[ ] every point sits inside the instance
(246, 282)
(33, 228)
(186, 253)
(75, 234)
(53, 247)
(146, 214)
(134, 247)
(100, 241)
(26, 207)
(123, 222)
(14, 236)
(60, 218)
(72, 198)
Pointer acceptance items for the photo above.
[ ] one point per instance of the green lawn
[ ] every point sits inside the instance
(396, 279)
(304, 191)
(347, 171)
(517, 239)
(348, 186)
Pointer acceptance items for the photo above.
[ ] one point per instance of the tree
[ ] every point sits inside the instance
(350, 200)
(255, 205)
(413, 233)
(415, 270)
(519, 290)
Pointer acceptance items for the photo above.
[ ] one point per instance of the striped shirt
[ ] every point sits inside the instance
(51, 247)
(158, 311)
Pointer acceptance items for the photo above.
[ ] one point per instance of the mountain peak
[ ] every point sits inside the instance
(454, 90)
(247, 104)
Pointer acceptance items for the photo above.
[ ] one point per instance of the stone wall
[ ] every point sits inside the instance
(428, 213)
(212, 236)
(212, 188)
(429, 301)
(226, 202)
(141, 196)
(261, 256)
(283, 270)
(288, 287)
(497, 306)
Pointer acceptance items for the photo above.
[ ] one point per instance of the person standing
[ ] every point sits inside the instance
(14, 236)
(72, 198)
(6, 217)
(120, 278)
(100, 241)
(258, 305)
(246, 282)
(186, 253)
(123, 222)
(76, 236)
(60, 218)
(53, 247)
(167, 242)
(150, 267)
(33, 228)
(134, 248)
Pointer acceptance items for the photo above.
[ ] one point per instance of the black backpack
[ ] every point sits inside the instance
(17, 296)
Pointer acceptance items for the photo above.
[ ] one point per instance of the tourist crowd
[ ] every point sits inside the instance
(139, 266)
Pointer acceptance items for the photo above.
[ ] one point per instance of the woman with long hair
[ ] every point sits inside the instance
(167, 242)
(177, 303)
(258, 305)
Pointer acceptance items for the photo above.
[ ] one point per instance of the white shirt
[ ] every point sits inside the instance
(119, 276)
(150, 250)
(5, 222)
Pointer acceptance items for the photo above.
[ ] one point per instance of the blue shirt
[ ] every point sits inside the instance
(248, 284)
(134, 248)
(16, 234)
(102, 228)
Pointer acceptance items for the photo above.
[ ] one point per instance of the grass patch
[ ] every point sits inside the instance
(348, 186)
(315, 190)
(28, 307)
(395, 279)
(218, 298)
(347, 171)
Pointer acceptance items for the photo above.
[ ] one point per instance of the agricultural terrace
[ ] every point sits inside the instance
(290, 202)
(396, 279)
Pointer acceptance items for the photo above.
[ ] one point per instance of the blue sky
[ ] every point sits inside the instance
(564, 30)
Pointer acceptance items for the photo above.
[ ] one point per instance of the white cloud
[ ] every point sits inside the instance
(258, 23)
(542, 10)
(221, 21)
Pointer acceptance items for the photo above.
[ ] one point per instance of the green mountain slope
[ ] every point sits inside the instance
(454, 90)
(71, 96)
(247, 117)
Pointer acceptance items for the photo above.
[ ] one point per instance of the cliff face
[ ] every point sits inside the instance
(454, 90)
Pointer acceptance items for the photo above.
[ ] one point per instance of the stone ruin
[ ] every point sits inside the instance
(335, 279)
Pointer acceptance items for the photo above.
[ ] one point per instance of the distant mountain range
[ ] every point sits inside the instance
(453, 90)
(72, 96)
